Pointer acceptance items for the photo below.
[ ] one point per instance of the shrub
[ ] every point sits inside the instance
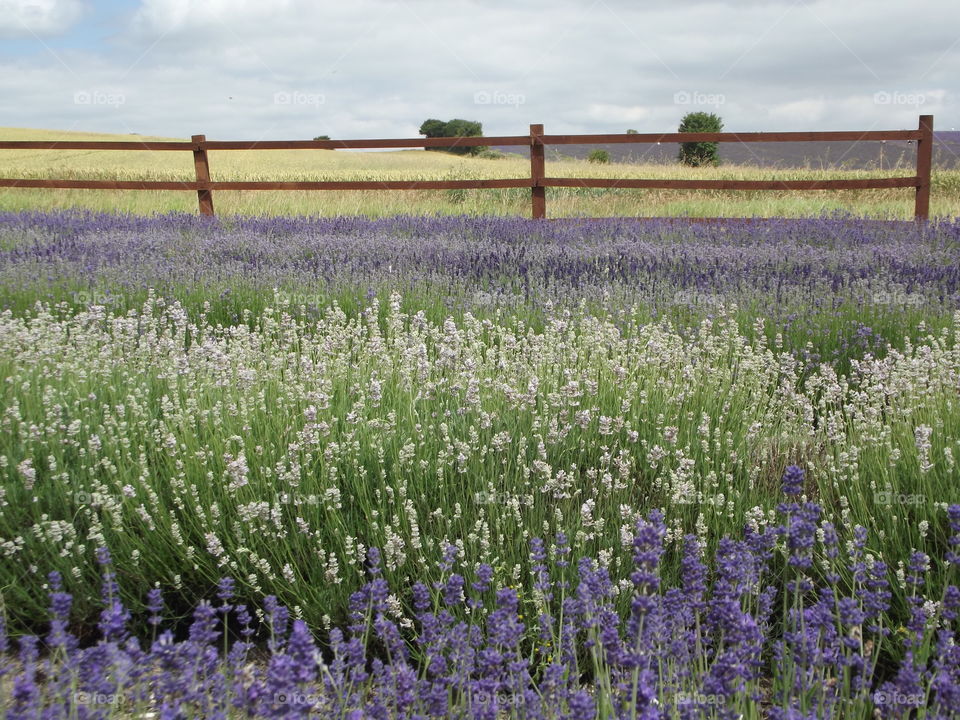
(696, 154)
(491, 154)
(599, 156)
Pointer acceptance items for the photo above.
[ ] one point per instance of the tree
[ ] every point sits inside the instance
(322, 137)
(463, 128)
(598, 156)
(457, 127)
(433, 128)
(699, 153)
(631, 131)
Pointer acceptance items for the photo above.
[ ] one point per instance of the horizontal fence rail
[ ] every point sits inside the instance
(538, 181)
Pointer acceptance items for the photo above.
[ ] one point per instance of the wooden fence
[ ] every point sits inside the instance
(538, 181)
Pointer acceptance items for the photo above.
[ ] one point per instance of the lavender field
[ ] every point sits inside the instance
(478, 467)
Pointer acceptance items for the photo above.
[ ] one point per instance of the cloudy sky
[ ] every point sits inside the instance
(286, 69)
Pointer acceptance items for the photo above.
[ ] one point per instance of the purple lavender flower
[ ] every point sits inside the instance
(373, 561)
(538, 568)
(917, 569)
(484, 578)
(453, 590)
(278, 617)
(582, 706)
(60, 604)
(952, 556)
(155, 605)
(793, 480)
(421, 597)
(562, 550)
(802, 534)
(26, 693)
(225, 589)
(450, 553)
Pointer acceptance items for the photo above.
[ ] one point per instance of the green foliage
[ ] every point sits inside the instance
(631, 131)
(599, 156)
(700, 153)
(491, 154)
(433, 128)
(463, 128)
(457, 127)
(322, 137)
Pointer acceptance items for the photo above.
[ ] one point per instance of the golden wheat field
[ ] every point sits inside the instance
(422, 165)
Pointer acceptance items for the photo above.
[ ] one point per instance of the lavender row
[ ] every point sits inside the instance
(481, 260)
(750, 634)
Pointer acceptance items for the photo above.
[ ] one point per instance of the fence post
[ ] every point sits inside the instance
(537, 173)
(921, 209)
(202, 166)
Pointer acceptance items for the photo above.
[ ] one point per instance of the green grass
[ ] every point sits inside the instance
(421, 165)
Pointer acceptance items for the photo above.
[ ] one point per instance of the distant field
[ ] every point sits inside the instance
(864, 155)
(421, 165)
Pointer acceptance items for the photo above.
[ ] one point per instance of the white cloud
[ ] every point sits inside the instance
(617, 113)
(38, 17)
(166, 16)
(803, 112)
(383, 66)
